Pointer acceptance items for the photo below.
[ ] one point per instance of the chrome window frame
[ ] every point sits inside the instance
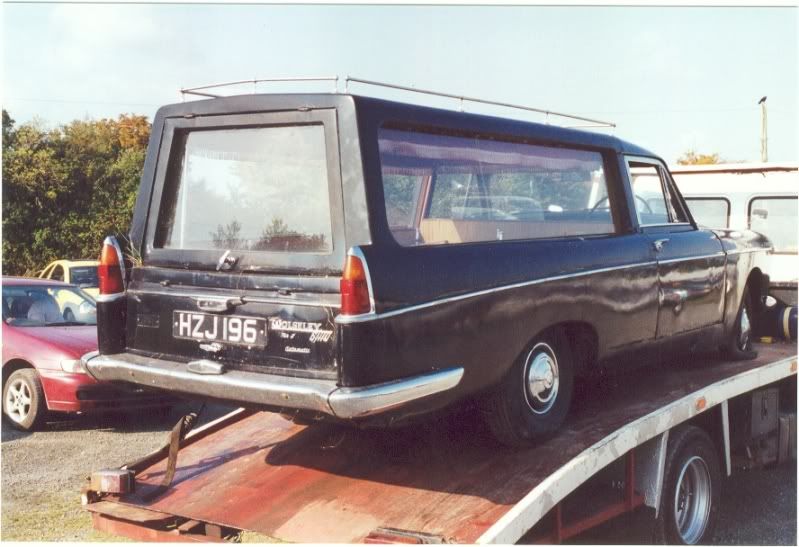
(661, 168)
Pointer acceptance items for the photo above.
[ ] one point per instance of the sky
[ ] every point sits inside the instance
(671, 78)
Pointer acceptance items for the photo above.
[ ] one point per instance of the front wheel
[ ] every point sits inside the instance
(23, 400)
(689, 501)
(739, 343)
(534, 397)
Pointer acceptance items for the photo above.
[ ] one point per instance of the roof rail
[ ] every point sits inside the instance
(201, 91)
(462, 98)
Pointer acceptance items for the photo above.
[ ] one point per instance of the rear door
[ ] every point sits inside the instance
(690, 260)
(244, 244)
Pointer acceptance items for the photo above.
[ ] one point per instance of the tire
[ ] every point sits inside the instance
(533, 399)
(689, 502)
(68, 315)
(738, 346)
(24, 405)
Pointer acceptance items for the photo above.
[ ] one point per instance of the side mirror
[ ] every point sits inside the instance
(760, 213)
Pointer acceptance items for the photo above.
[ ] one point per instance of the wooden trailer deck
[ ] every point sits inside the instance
(445, 479)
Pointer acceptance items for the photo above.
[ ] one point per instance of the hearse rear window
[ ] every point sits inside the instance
(449, 189)
(252, 189)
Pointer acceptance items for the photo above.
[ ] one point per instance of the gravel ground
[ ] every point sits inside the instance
(42, 474)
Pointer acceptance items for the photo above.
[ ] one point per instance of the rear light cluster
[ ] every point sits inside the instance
(354, 288)
(110, 270)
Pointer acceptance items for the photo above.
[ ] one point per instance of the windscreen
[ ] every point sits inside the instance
(252, 189)
(85, 276)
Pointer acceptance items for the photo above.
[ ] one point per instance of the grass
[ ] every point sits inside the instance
(50, 517)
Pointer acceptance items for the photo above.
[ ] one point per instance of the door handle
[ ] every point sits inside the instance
(218, 304)
(658, 244)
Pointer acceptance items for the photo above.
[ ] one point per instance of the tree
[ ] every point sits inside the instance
(691, 157)
(65, 189)
(8, 128)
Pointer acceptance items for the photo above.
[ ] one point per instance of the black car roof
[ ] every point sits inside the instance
(404, 111)
(544, 131)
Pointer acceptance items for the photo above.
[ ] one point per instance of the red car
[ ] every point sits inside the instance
(41, 355)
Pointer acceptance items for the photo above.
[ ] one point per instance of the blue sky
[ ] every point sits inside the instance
(672, 78)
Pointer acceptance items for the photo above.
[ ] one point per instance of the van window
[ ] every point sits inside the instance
(776, 218)
(710, 212)
(256, 189)
(452, 189)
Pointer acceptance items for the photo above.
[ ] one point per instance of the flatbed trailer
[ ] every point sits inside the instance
(447, 480)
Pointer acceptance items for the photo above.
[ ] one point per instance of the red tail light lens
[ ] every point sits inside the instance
(354, 288)
(109, 272)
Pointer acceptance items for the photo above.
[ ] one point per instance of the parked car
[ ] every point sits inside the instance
(41, 352)
(349, 258)
(82, 273)
(757, 196)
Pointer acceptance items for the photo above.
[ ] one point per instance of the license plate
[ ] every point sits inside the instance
(229, 329)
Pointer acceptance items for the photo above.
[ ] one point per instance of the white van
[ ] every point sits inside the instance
(756, 196)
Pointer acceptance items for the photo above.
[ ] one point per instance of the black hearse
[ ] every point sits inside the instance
(340, 257)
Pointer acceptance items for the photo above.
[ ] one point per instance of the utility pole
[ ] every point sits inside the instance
(763, 130)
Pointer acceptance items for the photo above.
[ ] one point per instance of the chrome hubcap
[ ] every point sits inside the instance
(692, 500)
(745, 330)
(18, 401)
(541, 379)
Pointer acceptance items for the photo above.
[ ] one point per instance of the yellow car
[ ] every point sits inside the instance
(82, 273)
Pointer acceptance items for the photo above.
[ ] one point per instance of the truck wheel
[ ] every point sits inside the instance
(690, 498)
(24, 405)
(534, 397)
(739, 344)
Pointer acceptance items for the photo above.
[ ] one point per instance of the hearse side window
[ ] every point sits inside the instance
(450, 189)
(252, 189)
(776, 217)
(710, 212)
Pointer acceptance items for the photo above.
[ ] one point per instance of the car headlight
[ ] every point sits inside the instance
(86, 308)
(75, 366)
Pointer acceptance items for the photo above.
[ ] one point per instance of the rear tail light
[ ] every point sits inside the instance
(110, 270)
(354, 288)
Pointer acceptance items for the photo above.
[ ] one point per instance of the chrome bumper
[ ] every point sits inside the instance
(269, 389)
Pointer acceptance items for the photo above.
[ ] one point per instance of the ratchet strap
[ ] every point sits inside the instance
(178, 433)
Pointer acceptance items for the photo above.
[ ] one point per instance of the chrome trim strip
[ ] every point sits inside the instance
(253, 299)
(687, 258)
(269, 389)
(358, 253)
(359, 402)
(744, 251)
(347, 319)
(109, 297)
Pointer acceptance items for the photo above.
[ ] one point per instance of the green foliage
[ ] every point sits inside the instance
(691, 157)
(65, 189)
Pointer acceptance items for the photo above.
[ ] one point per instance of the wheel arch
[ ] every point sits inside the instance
(758, 283)
(583, 342)
(13, 365)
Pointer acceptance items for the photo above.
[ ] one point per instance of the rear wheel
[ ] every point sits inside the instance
(690, 497)
(24, 405)
(534, 397)
(739, 344)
